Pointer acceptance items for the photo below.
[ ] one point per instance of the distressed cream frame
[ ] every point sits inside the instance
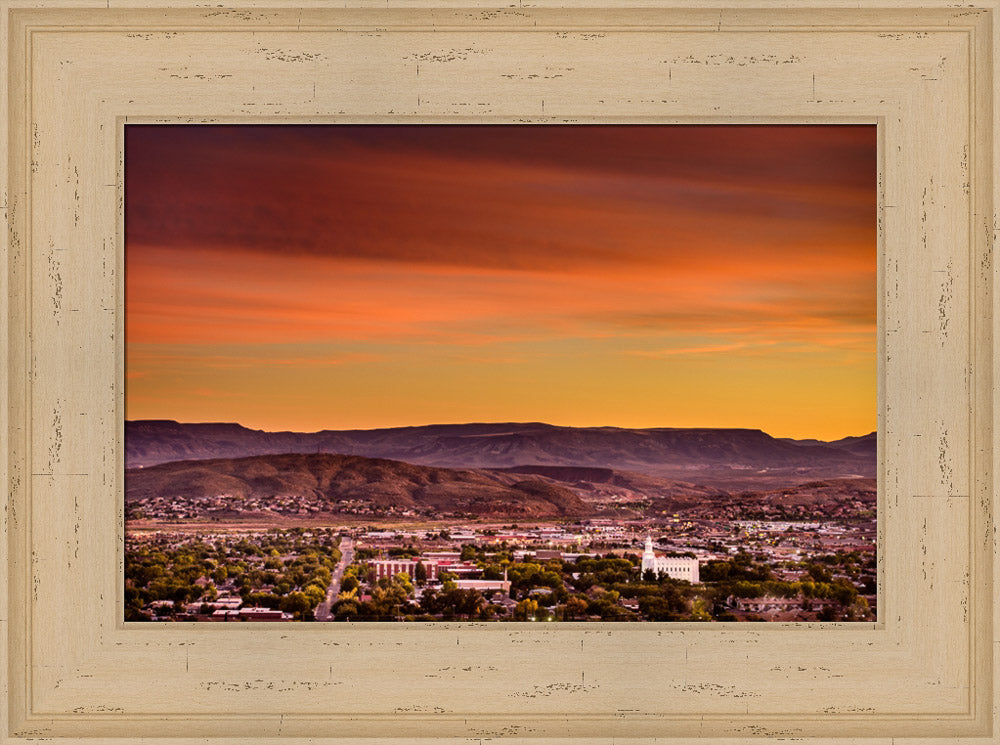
(77, 70)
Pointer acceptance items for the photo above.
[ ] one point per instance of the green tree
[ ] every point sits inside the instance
(819, 573)
(388, 601)
(575, 607)
(493, 571)
(346, 610)
(296, 603)
(526, 609)
(700, 611)
(402, 579)
(314, 594)
(468, 552)
(656, 608)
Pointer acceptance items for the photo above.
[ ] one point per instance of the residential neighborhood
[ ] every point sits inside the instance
(685, 567)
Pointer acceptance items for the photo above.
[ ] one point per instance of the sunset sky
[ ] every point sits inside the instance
(337, 277)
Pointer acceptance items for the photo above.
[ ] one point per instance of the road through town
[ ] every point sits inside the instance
(346, 557)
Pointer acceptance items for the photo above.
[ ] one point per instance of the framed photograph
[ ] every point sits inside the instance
(420, 372)
(126, 124)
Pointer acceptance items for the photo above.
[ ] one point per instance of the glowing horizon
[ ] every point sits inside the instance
(357, 277)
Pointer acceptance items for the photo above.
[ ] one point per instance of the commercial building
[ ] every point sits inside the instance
(392, 567)
(483, 584)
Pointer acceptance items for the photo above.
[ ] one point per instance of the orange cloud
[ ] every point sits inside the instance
(306, 251)
(706, 349)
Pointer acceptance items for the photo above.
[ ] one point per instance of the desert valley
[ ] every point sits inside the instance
(497, 521)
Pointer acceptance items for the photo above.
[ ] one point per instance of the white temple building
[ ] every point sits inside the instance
(675, 567)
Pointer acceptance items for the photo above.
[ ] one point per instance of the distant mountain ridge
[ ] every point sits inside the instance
(724, 457)
(863, 445)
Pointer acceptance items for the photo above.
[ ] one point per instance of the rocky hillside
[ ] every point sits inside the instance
(338, 483)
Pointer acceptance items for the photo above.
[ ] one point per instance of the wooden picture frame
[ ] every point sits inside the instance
(75, 72)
